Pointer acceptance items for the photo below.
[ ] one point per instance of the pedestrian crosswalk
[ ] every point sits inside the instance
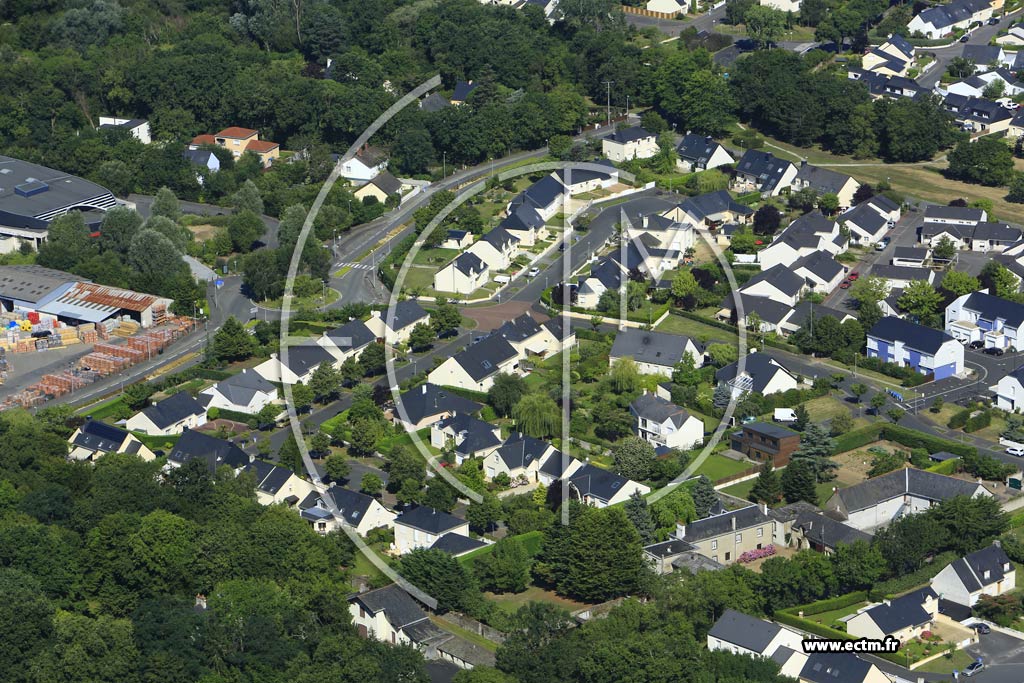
(355, 266)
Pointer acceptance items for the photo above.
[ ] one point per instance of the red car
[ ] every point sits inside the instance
(845, 284)
(853, 276)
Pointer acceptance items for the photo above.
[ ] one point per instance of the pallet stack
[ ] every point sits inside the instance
(127, 328)
(103, 364)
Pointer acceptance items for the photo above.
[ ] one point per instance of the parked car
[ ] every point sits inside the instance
(994, 351)
(1017, 451)
(853, 276)
(974, 667)
(561, 246)
(882, 244)
(965, 39)
(981, 627)
(977, 344)
(845, 284)
(993, 21)
(534, 272)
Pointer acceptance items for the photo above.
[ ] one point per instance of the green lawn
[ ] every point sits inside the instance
(740, 490)
(469, 636)
(826, 618)
(944, 665)
(300, 302)
(825, 408)
(824, 489)
(677, 324)
(719, 467)
(110, 408)
(435, 257)
(364, 567)
(511, 602)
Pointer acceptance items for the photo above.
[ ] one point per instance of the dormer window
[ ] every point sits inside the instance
(987, 575)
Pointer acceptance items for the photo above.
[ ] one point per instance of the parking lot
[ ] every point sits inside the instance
(1003, 655)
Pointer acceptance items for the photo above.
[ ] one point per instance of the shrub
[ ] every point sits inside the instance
(959, 419)
(914, 439)
(855, 438)
(759, 553)
(978, 421)
(946, 467)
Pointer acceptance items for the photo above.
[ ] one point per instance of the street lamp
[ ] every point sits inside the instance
(444, 165)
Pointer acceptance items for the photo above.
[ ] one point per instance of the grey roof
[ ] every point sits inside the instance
(173, 409)
(456, 544)
(406, 313)
(942, 456)
(760, 367)
(669, 548)
(805, 309)
(239, 389)
(782, 654)
(307, 357)
(768, 309)
(544, 192)
(353, 335)
(656, 348)
(770, 429)
(744, 630)
(901, 44)
(911, 253)
(971, 568)
(430, 400)
(835, 668)
(463, 89)
(387, 183)
(710, 527)
(764, 166)
(820, 263)
(982, 54)
(556, 327)
(468, 263)
(520, 451)
(434, 102)
(996, 231)
(958, 213)
(822, 179)
(500, 238)
(883, 203)
(99, 436)
(791, 511)
(32, 283)
(991, 308)
(398, 606)
(32, 195)
(780, 277)
(458, 235)
(428, 519)
(891, 272)
(943, 16)
(595, 482)
(581, 175)
(812, 223)
(652, 407)
(908, 481)
(629, 135)
(522, 217)
(826, 531)
(351, 506)
(518, 329)
(200, 157)
(903, 611)
(865, 218)
(473, 434)
(696, 149)
(481, 360)
(215, 452)
(914, 336)
(556, 464)
(608, 271)
(694, 562)
(269, 477)
(712, 203)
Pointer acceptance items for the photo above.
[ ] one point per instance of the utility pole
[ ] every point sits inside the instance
(608, 105)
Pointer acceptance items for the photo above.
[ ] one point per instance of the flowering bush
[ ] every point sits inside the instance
(926, 635)
(752, 555)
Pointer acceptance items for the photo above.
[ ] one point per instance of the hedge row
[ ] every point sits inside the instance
(947, 467)
(829, 604)
(906, 582)
(855, 438)
(914, 439)
(805, 624)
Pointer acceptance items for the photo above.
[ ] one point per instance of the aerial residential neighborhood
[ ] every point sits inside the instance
(512, 341)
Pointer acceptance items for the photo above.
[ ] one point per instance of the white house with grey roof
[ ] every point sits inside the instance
(420, 527)
(880, 500)
(519, 456)
(779, 283)
(764, 312)
(742, 634)
(466, 436)
(475, 367)
(464, 275)
(700, 153)
(763, 172)
(832, 668)
(630, 143)
(276, 484)
(546, 197)
(497, 249)
(394, 325)
(926, 350)
(870, 220)
(826, 181)
(299, 366)
(762, 373)
(820, 271)
(247, 392)
(903, 618)
(338, 506)
(346, 341)
(894, 57)
(580, 180)
(592, 485)
(428, 403)
(807, 234)
(94, 439)
(940, 20)
(1009, 391)
(663, 424)
(137, 128)
(984, 572)
(811, 529)
(557, 466)
(992, 320)
(900, 277)
(172, 415)
(532, 339)
(655, 353)
(710, 210)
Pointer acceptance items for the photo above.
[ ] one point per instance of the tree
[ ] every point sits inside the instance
(684, 284)
(858, 390)
(136, 396)
(624, 376)
(764, 24)
(537, 415)
(985, 160)
(798, 482)
(560, 146)
(828, 203)
(482, 674)
(603, 556)
(68, 242)
(248, 198)
(371, 484)
(704, 496)
(998, 279)
(165, 204)
(971, 523)
(878, 402)
(768, 487)
(445, 319)
(857, 565)
(372, 360)
(633, 458)
(959, 283)
(25, 623)
(841, 423)
(365, 435)
(506, 569)
(232, 342)
(640, 516)
(803, 418)
(921, 300)
(289, 455)
(261, 276)
(767, 220)
(244, 228)
(336, 466)
(118, 228)
(441, 576)
(505, 393)
(1016, 193)
(325, 382)
(960, 68)
(484, 514)
(816, 447)
(869, 290)
(422, 337)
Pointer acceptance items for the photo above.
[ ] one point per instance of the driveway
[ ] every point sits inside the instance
(1003, 655)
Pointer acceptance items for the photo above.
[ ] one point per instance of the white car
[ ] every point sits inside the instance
(1016, 450)
(534, 272)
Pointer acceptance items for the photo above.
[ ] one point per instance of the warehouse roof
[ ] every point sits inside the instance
(32, 195)
(32, 283)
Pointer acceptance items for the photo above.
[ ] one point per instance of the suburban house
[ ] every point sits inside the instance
(983, 317)
(725, 537)
(546, 197)
(203, 158)
(778, 282)
(903, 618)
(497, 249)
(579, 180)
(519, 456)
(866, 224)
(467, 436)
(1010, 391)
(940, 20)
(428, 403)
(137, 128)
(457, 239)
(529, 338)
(346, 341)
(809, 233)
(524, 223)
(667, 556)
(763, 172)
(711, 210)
(766, 442)
(420, 526)
(758, 312)
(607, 273)
(742, 634)
(172, 415)
(300, 364)
(762, 373)
(463, 89)
(987, 58)
(972, 231)
(825, 181)
(882, 499)
(894, 57)
(239, 141)
(339, 506)
(900, 277)
(247, 392)
(663, 424)
(807, 311)
(457, 545)
(1016, 128)
(672, 7)
(832, 668)
(630, 143)
(94, 439)
(466, 274)
(557, 466)
(276, 484)
(381, 187)
(890, 87)
(214, 452)
(475, 367)
(811, 529)
(911, 257)
(985, 572)
(928, 351)
(394, 325)
(974, 86)
(655, 353)
(700, 153)
(977, 114)
(598, 487)
(820, 270)
(365, 165)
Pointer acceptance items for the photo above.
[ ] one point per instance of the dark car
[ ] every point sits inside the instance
(977, 344)
(561, 247)
(981, 627)
(993, 351)
(993, 21)
(965, 39)
(845, 284)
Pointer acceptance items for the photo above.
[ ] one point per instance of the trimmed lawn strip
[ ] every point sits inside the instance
(675, 324)
(718, 467)
(468, 636)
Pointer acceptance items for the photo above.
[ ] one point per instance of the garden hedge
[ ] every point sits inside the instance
(914, 439)
(855, 438)
(829, 604)
(951, 466)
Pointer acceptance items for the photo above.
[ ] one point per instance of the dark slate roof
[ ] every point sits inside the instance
(694, 562)
(912, 253)
(544, 192)
(761, 368)
(215, 452)
(468, 263)
(835, 668)
(696, 148)
(629, 135)
(269, 477)
(991, 308)
(902, 612)
(822, 179)
(553, 464)
(388, 184)
(463, 89)
(500, 238)
(520, 451)
(668, 548)
(918, 337)
(982, 54)
(428, 519)
(608, 271)
(595, 482)
(434, 102)
(901, 44)
(351, 506)
(473, 434)
(398, 606)
(883, 203)
(407, 312)
(865, 218)
(921, 484)
(302, 359)
(764, 166)
(891, 272)
(581, 175)
(820, 263)
(656, 348)
(556, 327)
(744, 630)
(352, 335)
(173, 409)
(457, 235)
(456, 544)
(942, 456)
(482, 359)
(782, 655)
(522, 217)
(710, 527)
(780, 277)
(769, 310)
(991, 230)
(770, 429)
(971, 569)
(200, 157)
(957, 213)
(652, 407)
(518, 329)
(712, 203)
(240, 388)
(99, 436)
(826, 531)
(791, 511)
(429, 400)
(812, 223)
(803, 311)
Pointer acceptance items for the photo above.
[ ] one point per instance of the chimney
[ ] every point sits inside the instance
(733, 519)
(200, 601)
(708, 139)
(423, 389)
(803, 162)
(997, 543)
(764, 509)
(887, 602)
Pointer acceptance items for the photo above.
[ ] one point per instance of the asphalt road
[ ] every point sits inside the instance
(943, 56)
(673, 27)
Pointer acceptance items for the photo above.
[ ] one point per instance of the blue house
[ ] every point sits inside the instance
(927, 350)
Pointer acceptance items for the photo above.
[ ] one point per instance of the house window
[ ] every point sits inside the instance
(760, 532)
(362, 613)
(728, 556)
(739, 538)
(714, 558)
(714, 545)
